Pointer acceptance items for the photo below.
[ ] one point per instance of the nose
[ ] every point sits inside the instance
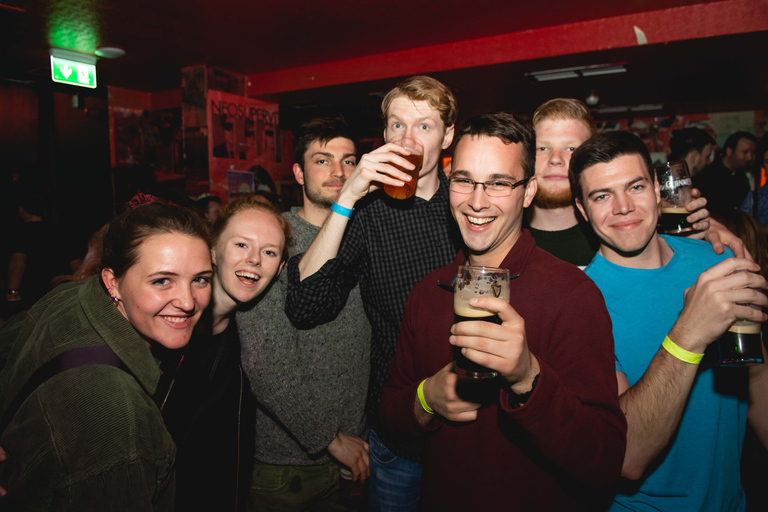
(623, 205)
(185, 299)
(556, 158)
(478, 199)
(254, 258)
(336, 170)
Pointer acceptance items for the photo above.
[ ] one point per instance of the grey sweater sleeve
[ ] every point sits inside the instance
(281, 376)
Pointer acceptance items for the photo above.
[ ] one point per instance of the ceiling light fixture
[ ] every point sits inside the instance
(575, 72)
(110, 52)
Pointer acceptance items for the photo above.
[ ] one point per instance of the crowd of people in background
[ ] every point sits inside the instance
(227, 355)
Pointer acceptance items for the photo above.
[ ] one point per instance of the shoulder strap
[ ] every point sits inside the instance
(82, 356)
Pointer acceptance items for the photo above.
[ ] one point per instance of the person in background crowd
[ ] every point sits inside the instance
(669, 299)
(33, 264)
(388, 246)
(756, 202)
(91, 262)
(209, 207)
(207, 406)
(692, 144)
(550, 428)
(725, 182)
(88, 436)
(754, 458)
(562, 125)
(310, 384)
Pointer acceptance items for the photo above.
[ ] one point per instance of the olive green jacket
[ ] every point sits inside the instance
(89, 438)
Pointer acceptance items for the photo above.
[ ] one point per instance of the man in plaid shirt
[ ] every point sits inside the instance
(387, 246)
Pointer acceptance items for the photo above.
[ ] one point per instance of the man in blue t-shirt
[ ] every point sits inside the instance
(669, 298)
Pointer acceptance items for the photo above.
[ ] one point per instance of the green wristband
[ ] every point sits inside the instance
(420, 393)
(680, 353)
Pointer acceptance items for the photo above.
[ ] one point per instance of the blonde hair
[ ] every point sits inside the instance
(563, 109)
(251, 202)
(425, 88)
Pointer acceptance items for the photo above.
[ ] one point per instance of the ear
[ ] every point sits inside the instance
(448, 137)
(298, 173)
(530, 191)
(280, 268)
(110, 282)
(581, 209)
(728, 151)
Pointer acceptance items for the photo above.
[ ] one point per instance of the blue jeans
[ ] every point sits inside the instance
(395, 483)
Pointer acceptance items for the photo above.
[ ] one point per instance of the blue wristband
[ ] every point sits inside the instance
(341, 210)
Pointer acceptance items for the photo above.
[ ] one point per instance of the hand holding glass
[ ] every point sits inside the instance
(416, 157)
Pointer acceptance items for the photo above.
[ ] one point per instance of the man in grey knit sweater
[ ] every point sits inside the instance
(310, 384)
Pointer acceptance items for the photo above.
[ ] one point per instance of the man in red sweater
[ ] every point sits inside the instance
(549, 427)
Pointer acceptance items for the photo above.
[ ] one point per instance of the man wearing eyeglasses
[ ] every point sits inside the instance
(548, 431)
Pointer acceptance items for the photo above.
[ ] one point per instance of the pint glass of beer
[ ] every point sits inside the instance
(675, 188)
(477, 282)
(741, 344)
(416, 157)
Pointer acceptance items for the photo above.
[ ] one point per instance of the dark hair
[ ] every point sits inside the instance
(603, 148)
(510, 128)
(689, 139)
(131, 228)
(252, 202)
(733, 140)
(322, 130)
(747, 228)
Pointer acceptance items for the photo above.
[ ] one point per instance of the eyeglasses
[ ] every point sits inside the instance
(494, 188)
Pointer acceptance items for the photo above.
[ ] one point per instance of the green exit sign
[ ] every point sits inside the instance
(71, 72)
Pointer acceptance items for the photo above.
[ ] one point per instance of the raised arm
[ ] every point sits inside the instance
(655, 404)
(373, 170)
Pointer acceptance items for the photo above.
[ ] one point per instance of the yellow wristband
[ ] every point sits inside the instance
(680, 353)
(420, 393)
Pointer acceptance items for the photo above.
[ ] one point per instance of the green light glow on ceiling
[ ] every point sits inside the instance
(74, 25)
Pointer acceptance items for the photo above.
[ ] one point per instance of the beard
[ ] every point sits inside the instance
(549, 200)
(321, 197)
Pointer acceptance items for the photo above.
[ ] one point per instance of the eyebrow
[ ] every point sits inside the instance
(394, 117)
(329, 155)
(628, 184)
(492, 177)
(168, 273)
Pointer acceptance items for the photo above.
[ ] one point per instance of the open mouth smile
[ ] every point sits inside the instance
(479, 221)
(247, 277)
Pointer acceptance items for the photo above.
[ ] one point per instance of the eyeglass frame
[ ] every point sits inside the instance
(512, 186)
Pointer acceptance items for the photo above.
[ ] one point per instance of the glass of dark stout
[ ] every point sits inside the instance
(477, 282)
(741, 344)
(675, 189)
(416, 157)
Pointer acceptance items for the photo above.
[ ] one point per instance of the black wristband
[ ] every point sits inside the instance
(516, 400)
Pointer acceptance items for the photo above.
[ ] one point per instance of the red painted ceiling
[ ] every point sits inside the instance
(259, 37)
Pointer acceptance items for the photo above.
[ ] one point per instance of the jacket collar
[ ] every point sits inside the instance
(119, 335)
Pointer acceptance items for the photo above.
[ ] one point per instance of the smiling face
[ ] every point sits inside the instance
(417, 120)
(556, 139)
(326, 168)
(620, 202)
(247, 256)
(166, 290)
(490, 226)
